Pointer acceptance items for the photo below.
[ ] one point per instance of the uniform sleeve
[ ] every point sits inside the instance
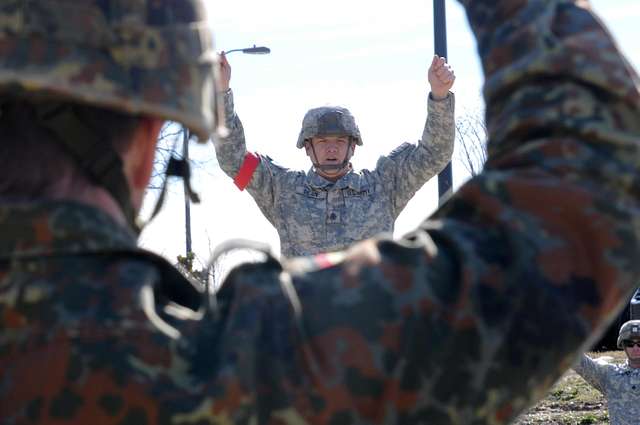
(475, 314)
(591, 371)
(406, 169)
(231, 152)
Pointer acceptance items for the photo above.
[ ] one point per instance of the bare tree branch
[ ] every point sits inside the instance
(471, 135)
(169, 141)
(169, 144)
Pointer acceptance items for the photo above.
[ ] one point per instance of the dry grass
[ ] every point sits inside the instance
(571, 401)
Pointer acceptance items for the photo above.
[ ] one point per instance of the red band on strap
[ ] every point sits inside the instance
(323, 261)
(249, 165)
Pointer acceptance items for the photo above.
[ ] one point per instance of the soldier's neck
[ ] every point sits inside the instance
(94, 196)
(333, 177)
(634, 363)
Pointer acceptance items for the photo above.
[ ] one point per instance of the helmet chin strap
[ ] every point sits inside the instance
(99, 160)
(330, 167)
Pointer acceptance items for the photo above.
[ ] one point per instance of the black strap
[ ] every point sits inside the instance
(96, 157)
(181, 168)
(101, 162)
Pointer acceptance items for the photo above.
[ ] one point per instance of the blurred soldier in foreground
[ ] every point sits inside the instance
(331, 206)
(619, 384)
(541, 246)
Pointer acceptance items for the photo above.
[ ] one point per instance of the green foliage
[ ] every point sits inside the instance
(571, 401)
(588, 420)
(187, 261)
(564, 394)
(185, 265)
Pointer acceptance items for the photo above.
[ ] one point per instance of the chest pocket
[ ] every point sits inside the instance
(368, 213)
(303, 212)
(634, 384)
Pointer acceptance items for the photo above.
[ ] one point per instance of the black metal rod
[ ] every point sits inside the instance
(255, 50)
(440, 28)
(187, 200)
(445, 178)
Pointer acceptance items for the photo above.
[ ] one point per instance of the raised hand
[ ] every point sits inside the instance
(441, 77)
(225, 72)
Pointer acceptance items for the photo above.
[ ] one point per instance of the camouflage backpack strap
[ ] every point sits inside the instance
(171, 288)
(265, 258)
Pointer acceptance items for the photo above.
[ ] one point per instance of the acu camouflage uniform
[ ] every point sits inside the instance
(314, 215)
(620, 385)
(449, 325)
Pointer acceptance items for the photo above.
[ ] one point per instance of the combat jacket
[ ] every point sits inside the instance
(619, 384)
(448, 325)
(312, 214)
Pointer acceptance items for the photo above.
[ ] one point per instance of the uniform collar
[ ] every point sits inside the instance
(54, 228)
(59, 227)
(350, 180)
(629, 368)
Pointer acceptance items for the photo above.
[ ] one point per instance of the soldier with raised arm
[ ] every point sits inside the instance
(331, 206)
(619, 384)
(449, 325)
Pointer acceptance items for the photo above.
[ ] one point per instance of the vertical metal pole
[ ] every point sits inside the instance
(445, 180)
(187, 203)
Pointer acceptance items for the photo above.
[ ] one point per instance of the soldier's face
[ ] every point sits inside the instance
(330, 150)
(632, 348)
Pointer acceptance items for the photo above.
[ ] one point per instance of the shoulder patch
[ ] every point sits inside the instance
(397, 151)
(272, 164)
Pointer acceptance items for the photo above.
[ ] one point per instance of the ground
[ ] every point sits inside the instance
(571, 401)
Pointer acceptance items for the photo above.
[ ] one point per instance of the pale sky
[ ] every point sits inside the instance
(371, 57)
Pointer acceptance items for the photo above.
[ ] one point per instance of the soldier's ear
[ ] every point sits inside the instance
(138, 160)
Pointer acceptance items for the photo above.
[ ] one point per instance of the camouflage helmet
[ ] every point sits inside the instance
(138, 57)
(151, 57)
(328, 121)
(629, 330)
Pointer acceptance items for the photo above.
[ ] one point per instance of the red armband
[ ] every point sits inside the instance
(249, 165)
(328, 259)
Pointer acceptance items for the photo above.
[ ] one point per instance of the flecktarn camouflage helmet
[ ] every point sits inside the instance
(152, 57)
(328, 121)
(140, 57)
(629, 330)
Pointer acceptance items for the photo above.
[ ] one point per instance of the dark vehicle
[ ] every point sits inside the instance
(634, 309)
(610, 337)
